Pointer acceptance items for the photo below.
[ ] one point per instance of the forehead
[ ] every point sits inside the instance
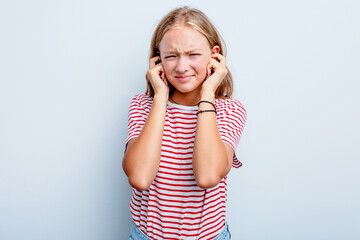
(183, 39)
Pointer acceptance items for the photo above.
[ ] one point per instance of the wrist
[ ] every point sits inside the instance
(207, 95)
(161, 98)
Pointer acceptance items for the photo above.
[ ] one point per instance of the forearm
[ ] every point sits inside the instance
(211, 162)
(142, 157)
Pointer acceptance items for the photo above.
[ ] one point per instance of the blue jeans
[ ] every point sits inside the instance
(136, 234)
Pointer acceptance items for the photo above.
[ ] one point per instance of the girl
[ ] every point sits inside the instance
(182, 133)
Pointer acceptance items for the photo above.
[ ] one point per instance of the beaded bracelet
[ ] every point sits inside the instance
(201, 111)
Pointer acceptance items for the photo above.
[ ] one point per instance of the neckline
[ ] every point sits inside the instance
(171, 104)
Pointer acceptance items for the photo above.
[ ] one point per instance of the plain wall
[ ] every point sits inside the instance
(68, 70)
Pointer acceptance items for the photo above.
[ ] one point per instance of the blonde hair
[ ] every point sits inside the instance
(197, 20)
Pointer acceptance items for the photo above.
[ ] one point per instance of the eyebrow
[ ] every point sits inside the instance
(188, 51)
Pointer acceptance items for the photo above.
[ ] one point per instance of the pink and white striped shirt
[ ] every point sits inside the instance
(174, 207)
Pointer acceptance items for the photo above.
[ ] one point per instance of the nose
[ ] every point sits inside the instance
(182, 64)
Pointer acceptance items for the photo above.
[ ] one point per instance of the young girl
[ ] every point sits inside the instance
(182, 133)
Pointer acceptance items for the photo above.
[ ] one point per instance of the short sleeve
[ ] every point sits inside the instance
(137, 116)
(231, 120)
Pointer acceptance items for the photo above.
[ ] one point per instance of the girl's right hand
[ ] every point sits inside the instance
(157, 77)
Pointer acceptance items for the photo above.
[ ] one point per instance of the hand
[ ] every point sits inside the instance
(216, 72)
(157, 77)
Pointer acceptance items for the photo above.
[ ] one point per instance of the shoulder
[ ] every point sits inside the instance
(227, 105)
(142, 100)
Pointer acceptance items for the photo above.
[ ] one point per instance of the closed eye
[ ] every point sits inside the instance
(170, 56)
(195, 54)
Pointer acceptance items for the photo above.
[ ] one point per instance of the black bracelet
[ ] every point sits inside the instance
(201, 111)
(206, 102)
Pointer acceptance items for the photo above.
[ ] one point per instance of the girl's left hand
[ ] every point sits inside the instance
(216, 72)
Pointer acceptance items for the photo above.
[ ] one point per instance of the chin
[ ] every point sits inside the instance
(185, 89)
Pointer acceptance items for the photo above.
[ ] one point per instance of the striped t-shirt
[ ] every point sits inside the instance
(174, 207)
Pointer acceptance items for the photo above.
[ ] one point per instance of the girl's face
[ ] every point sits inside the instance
(185, 54)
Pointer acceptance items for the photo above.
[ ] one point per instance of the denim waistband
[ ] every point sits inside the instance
(137, 234)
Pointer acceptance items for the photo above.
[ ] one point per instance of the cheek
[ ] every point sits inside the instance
(201, 66)
(168, 67)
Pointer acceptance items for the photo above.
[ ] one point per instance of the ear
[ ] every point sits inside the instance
(215, 49)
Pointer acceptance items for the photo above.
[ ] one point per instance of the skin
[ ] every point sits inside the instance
(186, 61)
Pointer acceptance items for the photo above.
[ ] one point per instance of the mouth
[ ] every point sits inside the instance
(183, 78)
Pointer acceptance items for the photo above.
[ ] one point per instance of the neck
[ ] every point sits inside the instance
(186, 99)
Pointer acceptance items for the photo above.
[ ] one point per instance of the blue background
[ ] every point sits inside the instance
(68, 70)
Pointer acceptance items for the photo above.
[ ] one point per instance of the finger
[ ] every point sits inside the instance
(220, 57)
(214, 64)
(153, 61)
(158, 68)
(209, 69)
(166, 81)
(217, 67)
